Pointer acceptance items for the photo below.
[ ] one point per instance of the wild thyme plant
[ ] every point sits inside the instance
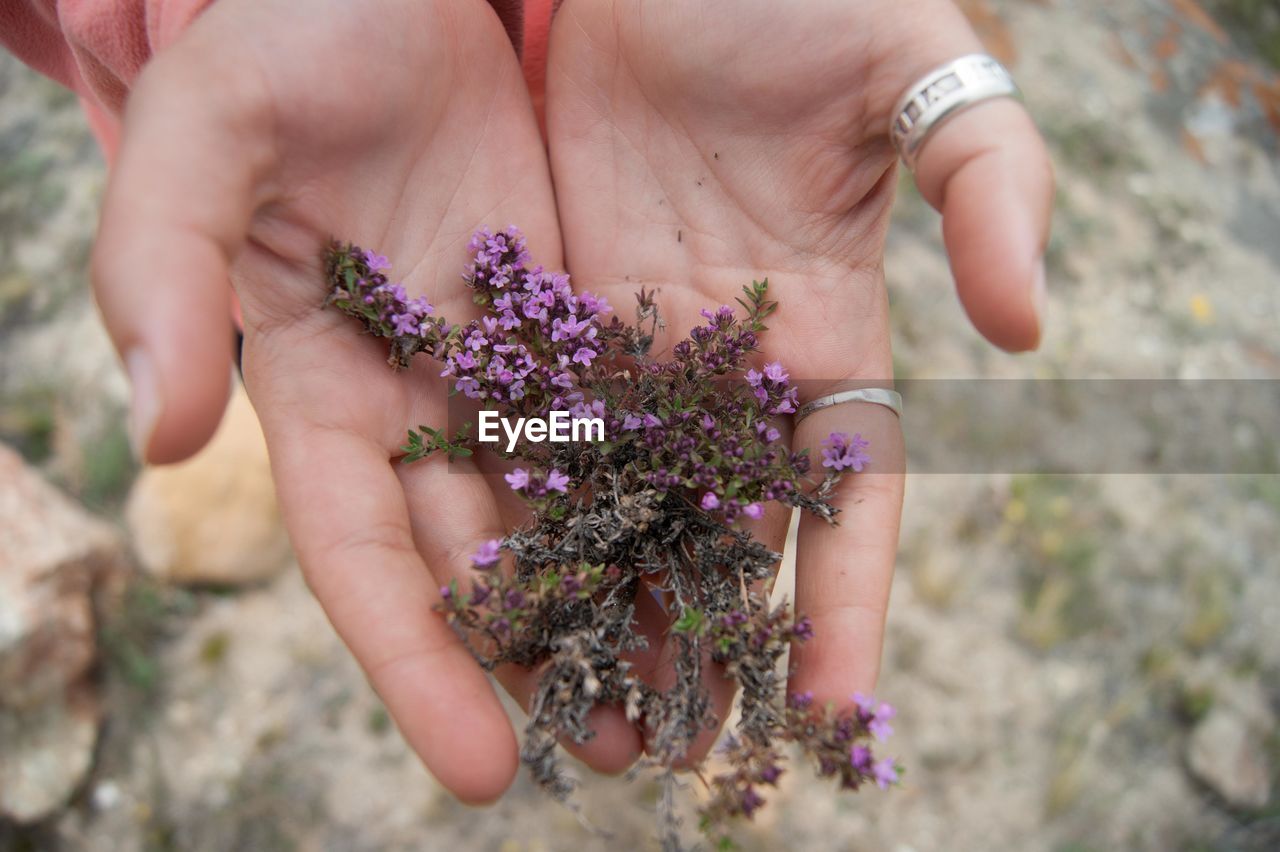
(689, 450)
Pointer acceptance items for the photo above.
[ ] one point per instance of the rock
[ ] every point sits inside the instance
(53, 556)
(47, 753)
(1227, 749)
(213, 518)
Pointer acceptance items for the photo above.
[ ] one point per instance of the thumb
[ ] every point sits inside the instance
(176, 212)
(988, 173)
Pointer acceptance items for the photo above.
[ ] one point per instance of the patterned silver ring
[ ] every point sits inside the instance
(890, 399)
(941, 94)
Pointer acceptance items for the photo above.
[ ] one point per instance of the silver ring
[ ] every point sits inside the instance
(941, 94)
(890, 399)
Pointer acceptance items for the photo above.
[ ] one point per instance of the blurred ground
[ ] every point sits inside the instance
(1082, 663)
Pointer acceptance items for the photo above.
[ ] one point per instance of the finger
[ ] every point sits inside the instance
(988, 172)
(175, 213)
(453, 512)
(350, 526)
(843, 572)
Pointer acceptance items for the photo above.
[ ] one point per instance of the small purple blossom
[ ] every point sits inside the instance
(557, 481)
(879, 726)
(860, 758)
(404, 323)
(488, 554)
(710, 501)
(753, 510)
(751, 801)
(801, 700)
(885, 773)
(376, 262)
(840, 452)
(517, 479)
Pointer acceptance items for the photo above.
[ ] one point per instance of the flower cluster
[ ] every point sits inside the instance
(538, 336)
(839, 743)
(361, 288)
(772, 389)
(690, 449)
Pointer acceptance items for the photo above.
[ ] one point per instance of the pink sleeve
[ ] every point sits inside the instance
(96, 47)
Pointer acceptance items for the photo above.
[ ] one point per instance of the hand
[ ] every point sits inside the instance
(250, 142)
(698, 145)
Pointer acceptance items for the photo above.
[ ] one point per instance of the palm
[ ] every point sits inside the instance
(715, 143)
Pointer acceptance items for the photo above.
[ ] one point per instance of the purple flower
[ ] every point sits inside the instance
(885, 773)
(710, 501)
(517, 479)
(860, 758)
(420, 307)
(840, 451)
(376, 262)
(770, 774)
(775, 372)
(488, 554)
(801, 700)
(803, 629)
(751, 801)
(754, 378)
(753, 510)
(584, 355)
(879, 726)
(405, 323)
(631, 422)
(594, 304)
(557, 481)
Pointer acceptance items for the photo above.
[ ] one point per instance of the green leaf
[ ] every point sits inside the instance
(690, 621)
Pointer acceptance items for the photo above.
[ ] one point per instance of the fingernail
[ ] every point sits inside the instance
(144, 409)
(1039, 296)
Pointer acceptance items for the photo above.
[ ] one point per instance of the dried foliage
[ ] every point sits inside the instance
(689, 451)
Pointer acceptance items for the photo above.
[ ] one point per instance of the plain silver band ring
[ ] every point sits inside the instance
(941, 94)
(890, 399)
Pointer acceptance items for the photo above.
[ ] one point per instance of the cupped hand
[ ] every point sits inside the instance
(261, 133)
(699, 145)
